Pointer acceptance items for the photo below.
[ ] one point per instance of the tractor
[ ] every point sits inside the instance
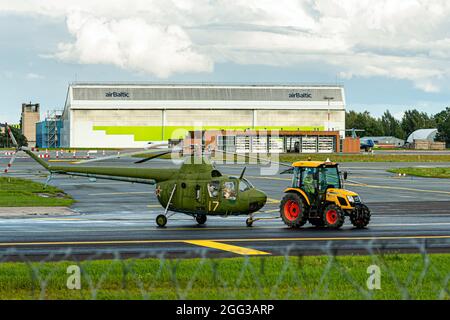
(317, 196)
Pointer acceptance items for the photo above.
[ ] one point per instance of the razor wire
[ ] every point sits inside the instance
(198, 273)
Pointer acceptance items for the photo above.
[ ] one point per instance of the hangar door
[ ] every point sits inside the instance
(325, 144)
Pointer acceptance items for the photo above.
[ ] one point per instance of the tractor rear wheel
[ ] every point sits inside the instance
(293, 210)
(333, 216)
(360, 218)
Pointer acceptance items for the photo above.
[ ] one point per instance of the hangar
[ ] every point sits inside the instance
(129, 115)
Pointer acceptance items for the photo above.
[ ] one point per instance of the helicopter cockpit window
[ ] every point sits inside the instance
(244, 185)
(213, 189)
(229, 190)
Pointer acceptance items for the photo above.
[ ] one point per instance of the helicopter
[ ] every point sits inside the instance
(196, 189)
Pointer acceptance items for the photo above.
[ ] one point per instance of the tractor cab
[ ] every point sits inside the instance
(317, 195)
(316, 179)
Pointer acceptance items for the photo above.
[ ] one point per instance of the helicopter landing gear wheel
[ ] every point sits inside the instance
(201, 218)
(249, 222)
(161, 220)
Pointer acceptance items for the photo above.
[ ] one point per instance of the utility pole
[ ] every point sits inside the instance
(328, 115)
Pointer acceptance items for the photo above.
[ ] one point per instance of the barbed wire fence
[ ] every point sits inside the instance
(376, 272)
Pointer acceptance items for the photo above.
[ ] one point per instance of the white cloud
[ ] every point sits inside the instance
(404, 39)
(33, 76)
(131, 44)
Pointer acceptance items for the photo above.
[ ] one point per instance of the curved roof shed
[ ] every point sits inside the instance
(422, 134)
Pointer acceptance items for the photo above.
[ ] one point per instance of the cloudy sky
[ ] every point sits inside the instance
(389, 54)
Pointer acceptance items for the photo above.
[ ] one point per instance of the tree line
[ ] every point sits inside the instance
(5, 141)
(387, 125)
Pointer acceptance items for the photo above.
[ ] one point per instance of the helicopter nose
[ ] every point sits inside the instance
(257, 200)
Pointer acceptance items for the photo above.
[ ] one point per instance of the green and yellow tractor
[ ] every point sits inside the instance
(317, 196)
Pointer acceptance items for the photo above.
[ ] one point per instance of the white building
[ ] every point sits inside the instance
(130, 115)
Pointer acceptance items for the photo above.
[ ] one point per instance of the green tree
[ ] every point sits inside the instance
(413, 120)
(351, 120)
(363, 120)
(391, 126)
(442, 120)
(5, 141)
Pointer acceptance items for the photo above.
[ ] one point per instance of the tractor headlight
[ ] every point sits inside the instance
(350, 199)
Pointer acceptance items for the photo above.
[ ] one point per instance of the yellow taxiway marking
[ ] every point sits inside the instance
(119, 193)
(226, 247)
(396, 188)
(270, 200)
(154, 206)
(111, 242)
(357, 184)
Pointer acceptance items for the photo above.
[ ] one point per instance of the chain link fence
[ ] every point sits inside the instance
(375, 272)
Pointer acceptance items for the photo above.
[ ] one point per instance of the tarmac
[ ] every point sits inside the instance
(113, 218)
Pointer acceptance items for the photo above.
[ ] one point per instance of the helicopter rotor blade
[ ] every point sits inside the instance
(288, 171)
(11, 135)
(255, 158)
(149, 150)
(11, 161)
(242, 174)
(152, 157)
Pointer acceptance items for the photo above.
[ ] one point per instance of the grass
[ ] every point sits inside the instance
(424, 172)
(337, 157)
(403, 276)
(368, 157)
(15, 192)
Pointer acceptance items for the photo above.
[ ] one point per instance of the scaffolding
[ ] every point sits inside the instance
(51, 128)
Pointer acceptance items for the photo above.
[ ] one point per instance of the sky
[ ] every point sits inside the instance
(389, 55)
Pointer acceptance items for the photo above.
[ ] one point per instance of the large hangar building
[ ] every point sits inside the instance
(129, 115)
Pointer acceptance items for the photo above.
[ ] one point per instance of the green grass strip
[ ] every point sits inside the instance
(15, 192)
(403, 276)
(424, 172)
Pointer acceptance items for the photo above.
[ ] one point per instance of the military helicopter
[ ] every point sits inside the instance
(197, 188)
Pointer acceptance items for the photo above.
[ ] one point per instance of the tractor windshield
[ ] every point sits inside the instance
(306, 178)
(329, 178)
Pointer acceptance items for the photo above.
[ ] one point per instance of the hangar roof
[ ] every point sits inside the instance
(184, 95)
(422, 134)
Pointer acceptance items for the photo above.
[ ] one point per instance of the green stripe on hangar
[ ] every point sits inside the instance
(155, 133)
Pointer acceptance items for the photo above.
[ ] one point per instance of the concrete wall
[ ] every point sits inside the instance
(29, 120)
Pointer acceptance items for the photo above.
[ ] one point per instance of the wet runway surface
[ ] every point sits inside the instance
(111, 217)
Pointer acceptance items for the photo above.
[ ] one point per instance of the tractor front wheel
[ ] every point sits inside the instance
(333, 216)
(292, 210)
(360, 218)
